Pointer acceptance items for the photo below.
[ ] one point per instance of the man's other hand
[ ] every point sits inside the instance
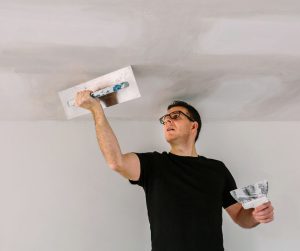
(264, 213)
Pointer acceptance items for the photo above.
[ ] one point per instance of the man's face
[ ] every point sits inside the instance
(180, 129)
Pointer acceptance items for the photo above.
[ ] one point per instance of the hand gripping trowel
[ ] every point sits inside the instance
(111, 89)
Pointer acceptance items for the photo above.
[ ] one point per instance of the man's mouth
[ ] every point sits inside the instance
(170, 129)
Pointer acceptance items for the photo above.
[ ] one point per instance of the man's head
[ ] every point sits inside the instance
(184, 119)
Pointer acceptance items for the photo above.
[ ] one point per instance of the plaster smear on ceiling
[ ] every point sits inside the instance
(268, 35)
(232, 60)
(240, 93)
(67, 24)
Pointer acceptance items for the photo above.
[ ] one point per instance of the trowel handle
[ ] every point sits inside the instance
(110, 89)
(103, 92)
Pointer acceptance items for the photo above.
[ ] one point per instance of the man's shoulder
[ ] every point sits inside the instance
(153, 154)
(213, 161)
(149, 153)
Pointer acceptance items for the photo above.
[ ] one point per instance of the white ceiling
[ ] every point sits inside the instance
(231, 59)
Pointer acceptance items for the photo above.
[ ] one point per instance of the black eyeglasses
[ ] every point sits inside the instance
(174, 115)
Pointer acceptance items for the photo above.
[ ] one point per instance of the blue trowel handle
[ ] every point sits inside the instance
(110, 89)
(103, 92)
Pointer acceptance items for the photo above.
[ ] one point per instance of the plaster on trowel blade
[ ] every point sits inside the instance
(109, 81)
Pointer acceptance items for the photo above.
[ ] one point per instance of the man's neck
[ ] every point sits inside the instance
(184, 151)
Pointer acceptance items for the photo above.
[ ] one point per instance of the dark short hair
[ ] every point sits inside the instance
(192, 112)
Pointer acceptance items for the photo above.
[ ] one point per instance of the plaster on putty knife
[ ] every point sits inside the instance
(111, 89)
(253, 195)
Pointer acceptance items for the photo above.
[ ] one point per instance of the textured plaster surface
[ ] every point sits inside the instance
(233, 60)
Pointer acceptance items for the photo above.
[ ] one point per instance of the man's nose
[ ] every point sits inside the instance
(168, 119)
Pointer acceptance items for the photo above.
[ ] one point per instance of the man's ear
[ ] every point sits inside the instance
(195, 125)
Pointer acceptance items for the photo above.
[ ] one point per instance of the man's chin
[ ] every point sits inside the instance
(170, 139)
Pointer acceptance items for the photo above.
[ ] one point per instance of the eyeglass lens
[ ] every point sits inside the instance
(172, 115)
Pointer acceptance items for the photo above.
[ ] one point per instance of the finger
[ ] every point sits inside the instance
(264, 211)
(79, 98)
(263, 217)
(88, 93)
(83, 94)
(267, 220)
(262, 207)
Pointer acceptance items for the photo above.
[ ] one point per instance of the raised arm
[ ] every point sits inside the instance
(127, 165)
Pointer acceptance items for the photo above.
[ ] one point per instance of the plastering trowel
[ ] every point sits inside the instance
(252, 196)
(111, 89)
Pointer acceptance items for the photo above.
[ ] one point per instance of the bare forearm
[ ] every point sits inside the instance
(107, 140)
(245, 218)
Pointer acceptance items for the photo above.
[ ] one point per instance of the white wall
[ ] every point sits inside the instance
(58, 194)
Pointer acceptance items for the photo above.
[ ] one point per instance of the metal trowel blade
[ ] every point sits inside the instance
(111, 89)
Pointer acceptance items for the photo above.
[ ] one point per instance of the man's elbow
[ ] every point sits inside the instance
(115, 166)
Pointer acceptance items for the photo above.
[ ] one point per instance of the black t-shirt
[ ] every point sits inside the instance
(184, 197)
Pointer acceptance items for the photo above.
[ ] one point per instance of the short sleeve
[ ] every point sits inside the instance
(229, 185)
(146, 165)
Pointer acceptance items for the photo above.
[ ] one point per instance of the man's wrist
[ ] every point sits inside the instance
(96, 109)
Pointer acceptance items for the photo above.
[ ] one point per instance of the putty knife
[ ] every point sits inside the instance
(111, 89)
(252, 196)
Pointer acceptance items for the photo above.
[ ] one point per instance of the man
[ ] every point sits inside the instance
(185, 192)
